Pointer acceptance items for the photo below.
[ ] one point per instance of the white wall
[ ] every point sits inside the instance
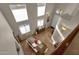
(32, 15)
(9, 17)
(70, 23)
(49, 8)
(69, 8)
(7, 41)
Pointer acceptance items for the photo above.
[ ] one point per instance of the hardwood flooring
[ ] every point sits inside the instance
(45, 37)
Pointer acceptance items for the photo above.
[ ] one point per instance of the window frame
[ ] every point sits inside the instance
(39, 9)
(40, 21)
(25, 29)
(17, 11)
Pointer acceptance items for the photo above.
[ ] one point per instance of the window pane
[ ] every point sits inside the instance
(41, 10)
(25, 29)
(20, 14)
(40, 22)
(22, 30)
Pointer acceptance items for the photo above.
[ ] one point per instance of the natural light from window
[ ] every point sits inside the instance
(24, 29)
(41, 10)
(20, 14)
(40, 23)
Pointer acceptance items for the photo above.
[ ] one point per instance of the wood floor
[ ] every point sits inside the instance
(73, 49)
(45, 37)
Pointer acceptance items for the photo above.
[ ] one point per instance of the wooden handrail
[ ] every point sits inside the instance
(64, 45)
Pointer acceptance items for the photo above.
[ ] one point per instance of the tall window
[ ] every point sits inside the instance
(24, 29)
(19, 12)
(41, 9)
(40, 22)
